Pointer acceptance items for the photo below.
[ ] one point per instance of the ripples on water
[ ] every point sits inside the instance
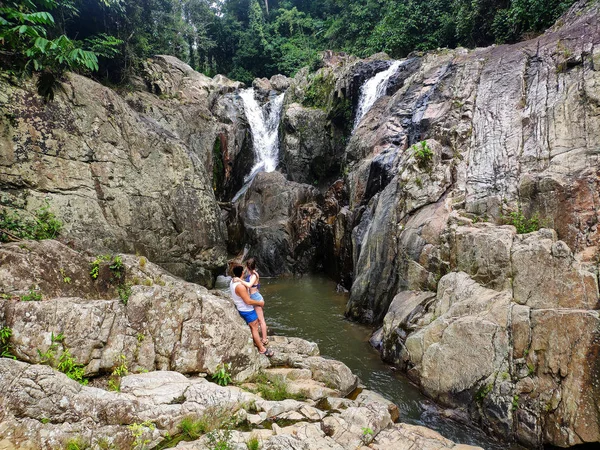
(309, 308)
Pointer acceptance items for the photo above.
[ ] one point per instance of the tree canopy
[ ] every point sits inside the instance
(248, 38)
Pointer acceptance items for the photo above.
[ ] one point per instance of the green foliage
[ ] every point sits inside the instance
(222, 376)
(42, 224)
(124, 291)
(422, 154)
(522, 223)
(191, 428)
(483, 392)
(367, 435)
(515, 403)
(116, 266)
(66, 279)
(138, 431)
(274, 388)
(220, 439)
(120, 370)
(70, 368)
(5, 334)
(244, 39)
(76, 443)
(33, 296)
(253, 443)
(319, 91)
(66, 363)
(95, 265)
(37, 42)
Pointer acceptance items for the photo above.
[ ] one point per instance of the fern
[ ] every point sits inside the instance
(30, 35)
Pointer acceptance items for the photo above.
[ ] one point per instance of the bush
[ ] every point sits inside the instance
(422, 154)
(522, 223)
(5, 334)
(42, 224)
(222, 376)
(33, 296)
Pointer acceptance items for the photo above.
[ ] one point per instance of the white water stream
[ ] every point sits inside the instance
(264, 126)
(373, 89)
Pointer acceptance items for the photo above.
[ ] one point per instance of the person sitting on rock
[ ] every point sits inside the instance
(245, 306)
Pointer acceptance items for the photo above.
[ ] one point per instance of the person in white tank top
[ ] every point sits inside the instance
(245, 306)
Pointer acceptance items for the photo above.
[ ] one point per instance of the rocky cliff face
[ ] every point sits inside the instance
(133, 174)
(414, 210)
(476, 313)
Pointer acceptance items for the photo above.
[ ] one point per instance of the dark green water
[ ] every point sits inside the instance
(309, 308)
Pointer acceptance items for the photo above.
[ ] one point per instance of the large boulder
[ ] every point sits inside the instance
(135, 174)
(159, 323)
(522, 354)
(278, 219)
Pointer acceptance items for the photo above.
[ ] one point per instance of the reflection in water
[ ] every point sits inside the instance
(310, 308)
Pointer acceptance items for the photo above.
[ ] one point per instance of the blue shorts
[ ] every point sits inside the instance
(256, 296)
(248, 316)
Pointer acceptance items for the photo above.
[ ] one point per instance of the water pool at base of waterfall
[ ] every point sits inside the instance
(309, 307)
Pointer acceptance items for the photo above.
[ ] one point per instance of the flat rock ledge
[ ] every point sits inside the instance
(151, 345)
(41, 408)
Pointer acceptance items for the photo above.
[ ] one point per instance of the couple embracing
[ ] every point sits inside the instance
(250, 303)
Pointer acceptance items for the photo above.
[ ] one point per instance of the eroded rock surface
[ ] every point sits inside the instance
(522, 353)
(43, 409)
(127, 175)
(165, 323)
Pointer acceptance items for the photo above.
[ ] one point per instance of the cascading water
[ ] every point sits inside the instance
(264, 126)
(374, 88)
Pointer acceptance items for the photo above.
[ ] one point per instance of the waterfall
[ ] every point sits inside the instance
(374, 88)
(264, 125)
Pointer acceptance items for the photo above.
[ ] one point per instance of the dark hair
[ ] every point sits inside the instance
(237, 271)
(251, 263)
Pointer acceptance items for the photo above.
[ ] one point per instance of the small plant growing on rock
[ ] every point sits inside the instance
(522, 223)
(124, 291)
(274, 388)
(138, 430)
(220, 439)
(71, 368)
(95, 265)
(117, 265)
(483, 392)
(5, 334)
(222, 376)
(367, 435)
(422, 154)
(42, 224)
(66, 363)
(253, 443)
(121, 369)
(66, 279)
(76, 444)
(33, 296)
(515, 403)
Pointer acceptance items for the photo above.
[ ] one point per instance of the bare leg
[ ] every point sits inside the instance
(255, 337)
(261, 321)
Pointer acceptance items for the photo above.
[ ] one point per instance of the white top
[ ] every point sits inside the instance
(239, 303)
